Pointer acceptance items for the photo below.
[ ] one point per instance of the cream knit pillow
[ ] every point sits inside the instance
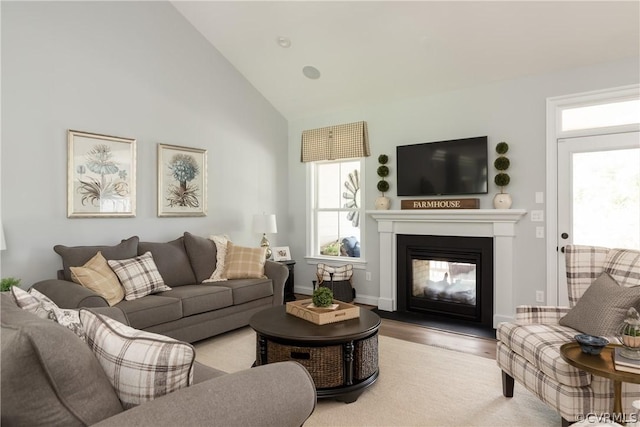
(221, 257)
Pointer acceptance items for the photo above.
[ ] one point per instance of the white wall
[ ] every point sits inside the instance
(511, 111)
(137, 70)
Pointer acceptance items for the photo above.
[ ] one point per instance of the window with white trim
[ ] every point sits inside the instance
(337, 215)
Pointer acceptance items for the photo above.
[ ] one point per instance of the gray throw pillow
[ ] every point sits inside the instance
(77, 256)
(202, 255)
(172, 261)
(602, 308)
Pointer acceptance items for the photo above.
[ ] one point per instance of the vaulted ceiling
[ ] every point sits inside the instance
(381, 51)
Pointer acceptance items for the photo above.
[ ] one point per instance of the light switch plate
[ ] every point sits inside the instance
(539, 197)
(537, 216)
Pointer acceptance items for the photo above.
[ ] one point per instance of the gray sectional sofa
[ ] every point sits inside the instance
(50, 377)
(191, 310)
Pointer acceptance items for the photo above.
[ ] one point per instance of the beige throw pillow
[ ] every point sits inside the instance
(221, 257)
(602, 308)
(100, 278)
(245, 263)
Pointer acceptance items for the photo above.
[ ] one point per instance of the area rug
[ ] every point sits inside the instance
(419, 385)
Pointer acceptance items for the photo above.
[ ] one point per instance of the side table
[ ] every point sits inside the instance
(603, 366)
(289, 294)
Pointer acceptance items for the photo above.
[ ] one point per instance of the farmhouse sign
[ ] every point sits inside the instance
(441, 204)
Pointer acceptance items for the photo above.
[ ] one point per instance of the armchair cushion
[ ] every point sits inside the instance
(540, 345)
(602, 307)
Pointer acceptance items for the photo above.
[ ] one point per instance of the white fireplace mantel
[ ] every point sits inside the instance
(496, 223)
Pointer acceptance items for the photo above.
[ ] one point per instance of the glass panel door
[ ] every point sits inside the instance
(598, 194)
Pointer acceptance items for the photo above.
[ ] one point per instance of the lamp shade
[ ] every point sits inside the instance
(265, 223)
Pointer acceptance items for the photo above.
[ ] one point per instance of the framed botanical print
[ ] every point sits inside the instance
(182, 181)
(101, 175)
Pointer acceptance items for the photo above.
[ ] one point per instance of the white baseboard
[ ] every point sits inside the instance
(360, 299)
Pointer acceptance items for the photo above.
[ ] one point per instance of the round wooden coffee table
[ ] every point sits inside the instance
(341, 357)
(601, 365)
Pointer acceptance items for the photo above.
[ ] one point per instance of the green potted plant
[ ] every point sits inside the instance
(383, 202)
(7, 282)
(322, 298)
(630, 335)
(502, 200)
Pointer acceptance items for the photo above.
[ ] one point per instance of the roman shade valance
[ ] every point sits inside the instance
(335, 142)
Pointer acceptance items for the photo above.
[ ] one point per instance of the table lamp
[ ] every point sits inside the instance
(265, 223)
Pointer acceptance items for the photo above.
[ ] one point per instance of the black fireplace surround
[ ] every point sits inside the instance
(476, 308)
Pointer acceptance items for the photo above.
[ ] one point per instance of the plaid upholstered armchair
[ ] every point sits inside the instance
(528, 350)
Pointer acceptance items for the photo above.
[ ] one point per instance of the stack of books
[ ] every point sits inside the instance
(625, 364)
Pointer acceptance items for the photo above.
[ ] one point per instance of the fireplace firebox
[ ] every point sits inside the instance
(446, 276)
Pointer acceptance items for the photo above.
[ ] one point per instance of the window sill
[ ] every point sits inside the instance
(358, 263)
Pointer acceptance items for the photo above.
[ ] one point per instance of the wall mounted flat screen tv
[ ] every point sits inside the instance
(453, 167)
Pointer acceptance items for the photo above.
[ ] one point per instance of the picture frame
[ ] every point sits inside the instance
(182, 181)
(101, 175)
(281, 253)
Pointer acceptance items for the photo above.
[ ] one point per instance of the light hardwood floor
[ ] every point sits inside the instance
(483, 347)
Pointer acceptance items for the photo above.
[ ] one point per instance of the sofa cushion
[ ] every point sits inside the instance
(624, 266)
(602, 308)
(75, 256)
(201, 298)
(49, 376)
(151, 310)
(540, 346)
(139, 276)
(172, 261)
(245, 290)
(244, 263)
(140, 365)
(202, 255)
(40, 305)
(96, 275)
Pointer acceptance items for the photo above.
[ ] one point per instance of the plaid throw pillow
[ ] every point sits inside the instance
(140, 365)
(100, 278)
(624, 266)
(39, 304)
(245, 263)
(139, 276)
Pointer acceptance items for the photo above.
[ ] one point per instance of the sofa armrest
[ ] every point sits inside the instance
(279, 394)
(540, 314)
(278, 273)
(70, 295)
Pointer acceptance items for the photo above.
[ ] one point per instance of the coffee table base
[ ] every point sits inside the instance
(347, 394)
(340, 370)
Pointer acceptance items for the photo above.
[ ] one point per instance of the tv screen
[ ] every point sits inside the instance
(451, 167)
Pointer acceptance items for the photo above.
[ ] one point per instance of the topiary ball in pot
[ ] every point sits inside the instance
(322, 297)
